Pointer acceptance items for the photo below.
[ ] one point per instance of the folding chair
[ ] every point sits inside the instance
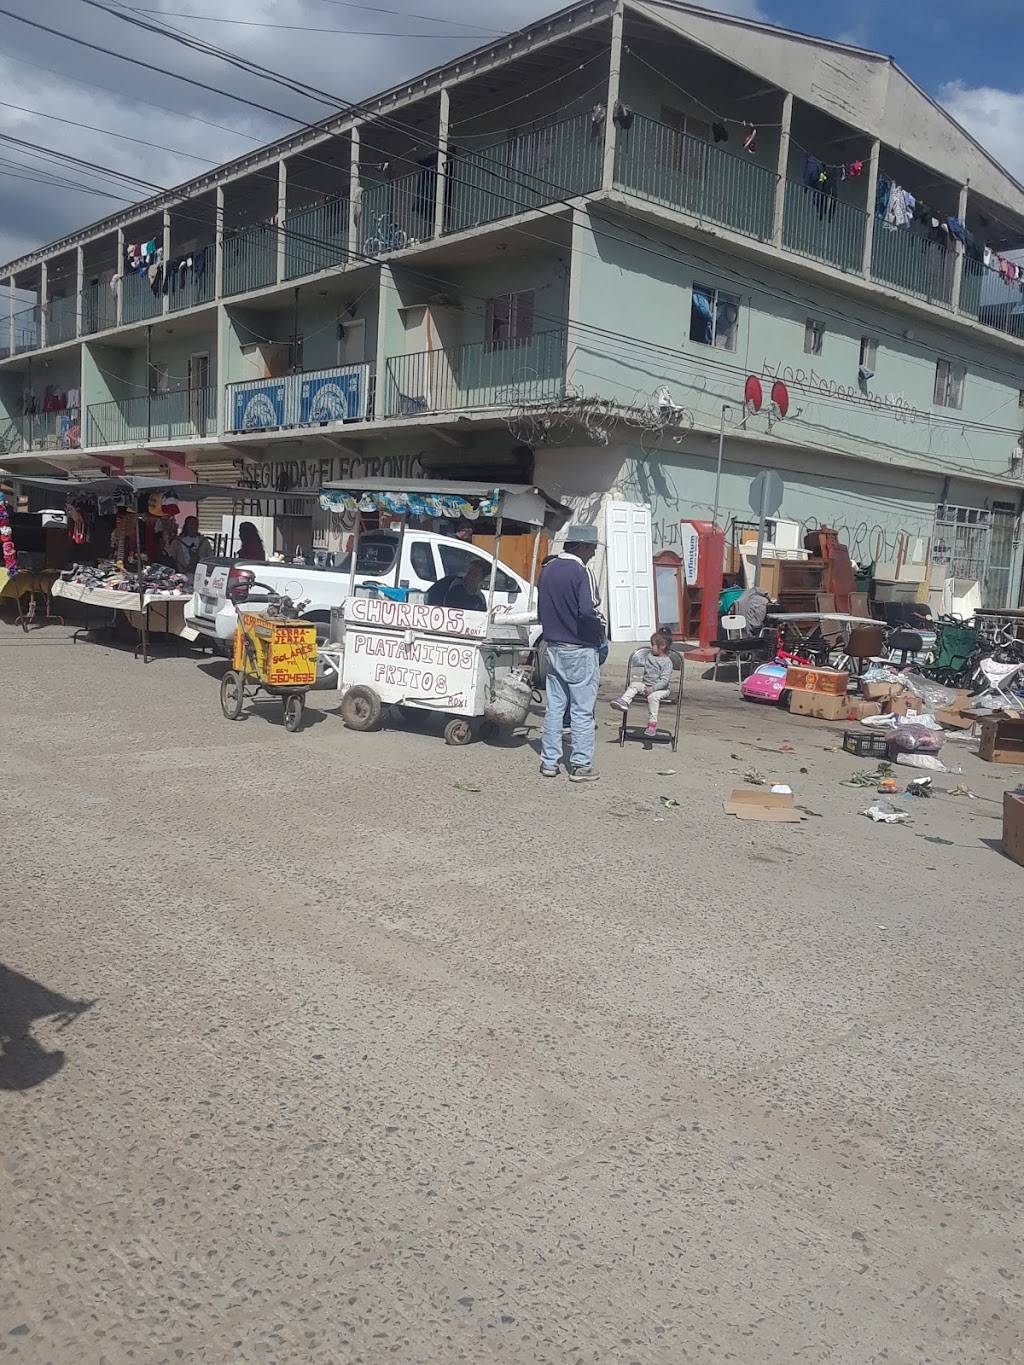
(677, 700)
(998, 679)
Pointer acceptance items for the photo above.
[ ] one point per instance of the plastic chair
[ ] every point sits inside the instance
(998, 679)
(625, 727)
(733, 629)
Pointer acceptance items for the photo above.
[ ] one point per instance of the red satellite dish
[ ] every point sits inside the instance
(753, 393)
(780, 397)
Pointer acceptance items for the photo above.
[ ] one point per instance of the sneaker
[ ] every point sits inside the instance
(651, 730)
(585, 773)
(548, 772)
(620, 704)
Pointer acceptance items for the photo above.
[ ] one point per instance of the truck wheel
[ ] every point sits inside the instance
(360, 708)
(458, 732)
(232, 694)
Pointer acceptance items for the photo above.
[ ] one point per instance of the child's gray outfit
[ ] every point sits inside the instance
(657, 676)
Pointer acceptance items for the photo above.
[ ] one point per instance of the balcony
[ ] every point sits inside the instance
(822, 226)
(195, 284)
(99, 308)
(316, 238)
(556, 162)
(50, 431)
(177, 415)
(26, 330)
(686, 173)
(397, 213)
(61, 320)
(139, 300)
(250, 259)
(478, 375)
(312, 399)
(991, 299)
(913, 263)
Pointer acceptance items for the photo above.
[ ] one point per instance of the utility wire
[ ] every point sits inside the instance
(372, 9)
(310, 28)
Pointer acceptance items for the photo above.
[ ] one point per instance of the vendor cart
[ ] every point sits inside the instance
(274, 653)
(473, 667)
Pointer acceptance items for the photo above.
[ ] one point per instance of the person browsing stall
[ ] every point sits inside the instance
(463, 591)
(573, 632)
(189, 547)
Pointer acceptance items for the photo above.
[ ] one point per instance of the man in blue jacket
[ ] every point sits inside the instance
(572, 632)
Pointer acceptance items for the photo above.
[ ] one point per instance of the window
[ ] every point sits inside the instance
(949, 384)
(868, 353)
(1020, 398)
(814, 336)
(376, 554)
(421, 557)
(454, 560)
(714, 318)
(159, 378)
(509, 319)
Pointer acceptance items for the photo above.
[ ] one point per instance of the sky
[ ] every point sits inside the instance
(971, 68)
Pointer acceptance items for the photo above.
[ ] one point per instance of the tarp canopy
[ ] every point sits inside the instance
(519, 502)
(111, 486)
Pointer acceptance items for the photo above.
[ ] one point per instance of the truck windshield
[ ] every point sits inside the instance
(376, 554)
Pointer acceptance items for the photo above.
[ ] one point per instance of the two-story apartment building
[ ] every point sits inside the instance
(563, 257)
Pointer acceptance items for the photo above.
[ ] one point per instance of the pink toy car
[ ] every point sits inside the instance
(766, 683)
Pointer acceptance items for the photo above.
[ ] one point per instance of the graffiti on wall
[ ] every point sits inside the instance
(892, 405)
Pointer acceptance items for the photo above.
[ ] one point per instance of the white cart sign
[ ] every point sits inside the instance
(378, 611)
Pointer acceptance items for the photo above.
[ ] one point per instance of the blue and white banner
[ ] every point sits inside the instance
(335, 396)
(258, 406)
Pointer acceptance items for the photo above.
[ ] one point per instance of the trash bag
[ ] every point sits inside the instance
(933, 694)
(911, 739)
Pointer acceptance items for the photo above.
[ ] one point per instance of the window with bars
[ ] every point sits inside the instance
(510, 319)
(949, 384)
(714, 318)
(814, 336)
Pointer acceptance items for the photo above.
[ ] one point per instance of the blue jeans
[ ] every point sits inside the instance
(572, 677)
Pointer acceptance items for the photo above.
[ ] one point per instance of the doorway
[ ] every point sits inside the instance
(630, 572)
(198, 390)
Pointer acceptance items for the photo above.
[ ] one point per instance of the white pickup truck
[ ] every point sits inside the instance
(426, 558)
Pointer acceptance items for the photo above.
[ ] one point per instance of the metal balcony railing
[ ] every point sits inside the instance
(313, 398)
(992, 299)
(913, 263)
(686, 173)
(26, 330)
(558, 161)
(820, 225)
(195, 284)
(477, 375)
(61, 320)
(397, 213)
(250, 258)
(99, 308)
(316, 238)
(51, 431)
(139, 300)
(176, 415)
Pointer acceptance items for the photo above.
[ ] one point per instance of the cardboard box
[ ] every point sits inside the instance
(1013, 826)
(1002, 740)
(860, 710)
(754, 803)
(952, 715)
(881, 691)
(828, 681)
(906, 704)
(820, 705)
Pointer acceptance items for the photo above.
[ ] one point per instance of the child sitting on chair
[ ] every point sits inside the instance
(657, 677)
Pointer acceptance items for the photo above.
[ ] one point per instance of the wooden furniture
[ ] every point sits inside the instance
(670, 598)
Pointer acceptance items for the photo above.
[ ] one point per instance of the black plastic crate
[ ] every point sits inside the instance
(866, 745)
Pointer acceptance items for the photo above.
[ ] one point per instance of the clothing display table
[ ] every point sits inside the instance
(163, 611)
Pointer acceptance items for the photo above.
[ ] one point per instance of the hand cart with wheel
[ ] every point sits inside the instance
(274, 653)
(475, 667)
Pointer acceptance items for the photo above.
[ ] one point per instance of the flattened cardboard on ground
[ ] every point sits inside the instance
(753, 803)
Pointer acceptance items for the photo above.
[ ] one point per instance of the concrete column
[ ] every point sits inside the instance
(44, 321)
(781, 170)
(442, 162)
(354, 193)
(282, 213)
(581, 241)
(10, 314)
(218, 270)
(611, 128)
(958, 260)
(869, 231)
(120, 275)
(166, 297)
(79, 286)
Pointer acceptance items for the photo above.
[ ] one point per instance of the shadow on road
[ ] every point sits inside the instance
(24, 1062)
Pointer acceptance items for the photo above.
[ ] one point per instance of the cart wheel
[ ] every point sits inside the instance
(490, 731)
(293, 709)
(232, 694)
(458, 732)
(360, 708)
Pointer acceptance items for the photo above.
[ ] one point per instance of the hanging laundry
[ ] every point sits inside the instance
(750, 141)
(720, 132)
(883, 193)
(854, 169)
(957, 229)
(901, 207)
(812, 170)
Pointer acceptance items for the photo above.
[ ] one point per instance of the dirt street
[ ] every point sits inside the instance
(316, 1053)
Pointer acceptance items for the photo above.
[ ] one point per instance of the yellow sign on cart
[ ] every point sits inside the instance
(285, 650)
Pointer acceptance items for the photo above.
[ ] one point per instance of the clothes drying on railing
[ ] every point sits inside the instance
(184, 270)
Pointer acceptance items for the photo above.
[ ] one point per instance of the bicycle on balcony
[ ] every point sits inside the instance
(387, 236)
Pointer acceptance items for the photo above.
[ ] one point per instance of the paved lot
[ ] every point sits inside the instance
(316, 1057)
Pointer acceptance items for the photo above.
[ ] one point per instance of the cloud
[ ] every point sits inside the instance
(995, 117)
(95, 88)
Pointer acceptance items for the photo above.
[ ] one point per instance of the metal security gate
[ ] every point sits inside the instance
(998, 589)
(962, 541)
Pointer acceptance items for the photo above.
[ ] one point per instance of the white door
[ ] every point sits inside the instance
(630, 572)
(352, 342)
(198, 386)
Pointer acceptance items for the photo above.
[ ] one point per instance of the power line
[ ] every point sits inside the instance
(108, 132)
(373, 9)
(310, 28)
